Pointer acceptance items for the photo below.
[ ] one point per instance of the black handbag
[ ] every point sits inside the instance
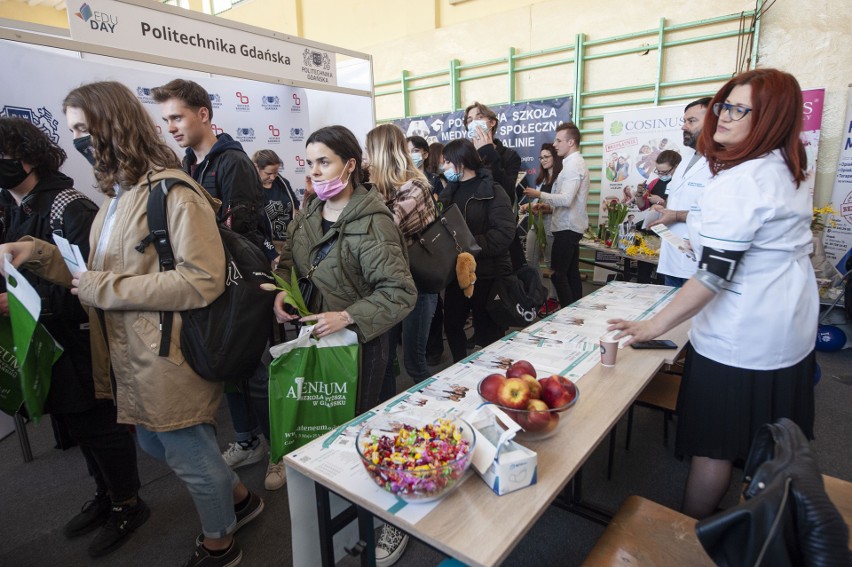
(432, 256)
(786, 518)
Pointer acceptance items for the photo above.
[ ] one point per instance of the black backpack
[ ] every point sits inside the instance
(514, 300)
(224, 341)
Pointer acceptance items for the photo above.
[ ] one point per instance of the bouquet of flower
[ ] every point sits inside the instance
(615, 214)
(535, 221)
(823, 216)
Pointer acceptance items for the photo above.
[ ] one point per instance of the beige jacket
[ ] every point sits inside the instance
(127, 291)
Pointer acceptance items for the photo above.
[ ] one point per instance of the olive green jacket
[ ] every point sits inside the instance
(366, 271)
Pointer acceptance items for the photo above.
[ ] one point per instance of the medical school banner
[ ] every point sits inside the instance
(838, 238)
(258, 115)
(524, 127)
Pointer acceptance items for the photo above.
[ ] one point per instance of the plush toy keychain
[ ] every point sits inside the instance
(466, 272)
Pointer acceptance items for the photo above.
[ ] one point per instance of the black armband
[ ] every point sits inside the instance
(721, 263)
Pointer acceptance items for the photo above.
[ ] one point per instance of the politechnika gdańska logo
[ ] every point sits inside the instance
(97, 20)
(41, 118)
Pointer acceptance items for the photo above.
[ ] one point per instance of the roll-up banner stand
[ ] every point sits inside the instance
(262, 84)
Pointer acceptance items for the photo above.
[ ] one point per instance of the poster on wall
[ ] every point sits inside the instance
(837, 239)
(523, 126)
(258, 115)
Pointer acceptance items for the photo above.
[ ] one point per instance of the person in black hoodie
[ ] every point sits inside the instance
(221, 166)
(489, 216)
(218, 163)
(34, 191)
(280, 201)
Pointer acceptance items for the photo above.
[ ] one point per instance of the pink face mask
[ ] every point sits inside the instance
(328, 188)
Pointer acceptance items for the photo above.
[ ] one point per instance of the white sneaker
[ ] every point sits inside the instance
(276, 476)
(236, 456)
(391, 546)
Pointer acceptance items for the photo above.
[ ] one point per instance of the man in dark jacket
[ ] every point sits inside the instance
(34, 191)
(221, 166)
(503, 162)
(218, 163)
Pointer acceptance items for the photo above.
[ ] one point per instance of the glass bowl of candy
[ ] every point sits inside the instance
(417, 457)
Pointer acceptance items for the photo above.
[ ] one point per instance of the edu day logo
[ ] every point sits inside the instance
(270, 102)
(242, 102)
(300, 165)
(297, 134)
(245, 134)
(274, 134)
(216, 130)
(215, 100)
(98, 21)
(41, 118)
(297, 104)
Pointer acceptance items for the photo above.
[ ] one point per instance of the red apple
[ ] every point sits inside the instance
(569, 386)
(535, 387)
(520, 368)
(490, 386)
(553, 392)
(514, 394)
(538, 417)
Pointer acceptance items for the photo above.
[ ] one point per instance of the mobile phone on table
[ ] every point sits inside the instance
(657, 343)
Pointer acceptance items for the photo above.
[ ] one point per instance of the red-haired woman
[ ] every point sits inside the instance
(753, 301)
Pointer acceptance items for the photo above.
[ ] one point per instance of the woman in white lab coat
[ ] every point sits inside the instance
(753, 301)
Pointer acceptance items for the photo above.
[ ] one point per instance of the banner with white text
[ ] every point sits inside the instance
(523, 126)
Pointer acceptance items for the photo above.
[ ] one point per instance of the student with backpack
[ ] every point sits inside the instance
(221, 166)
(37, 201)
(172, 407)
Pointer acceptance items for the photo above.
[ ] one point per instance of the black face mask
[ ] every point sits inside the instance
(84, 146)
(12, 173)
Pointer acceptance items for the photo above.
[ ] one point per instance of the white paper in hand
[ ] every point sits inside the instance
(673, 239)
(71, 254)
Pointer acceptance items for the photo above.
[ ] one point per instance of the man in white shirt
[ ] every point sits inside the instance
(684, 190)
(569, 219)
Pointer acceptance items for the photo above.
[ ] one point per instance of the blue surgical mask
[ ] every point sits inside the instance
(665, 177)
(417, 159)
(451, 174)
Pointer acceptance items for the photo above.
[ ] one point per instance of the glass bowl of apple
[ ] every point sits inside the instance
(417, 457)
(535, 404)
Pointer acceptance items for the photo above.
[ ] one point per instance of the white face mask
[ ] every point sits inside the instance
(473, 126)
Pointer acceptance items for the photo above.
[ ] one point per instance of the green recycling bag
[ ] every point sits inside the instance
(313, 388)
(35, 350)
(11, 396)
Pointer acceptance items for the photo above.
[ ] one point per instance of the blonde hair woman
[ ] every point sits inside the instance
(407, 193)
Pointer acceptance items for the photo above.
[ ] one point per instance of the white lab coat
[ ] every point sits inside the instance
(682, 193)
(766, 317)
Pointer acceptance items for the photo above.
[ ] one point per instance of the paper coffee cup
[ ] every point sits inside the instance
(609, 350)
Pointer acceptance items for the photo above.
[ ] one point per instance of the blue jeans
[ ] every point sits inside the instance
(415, 334)
(194, 455)
(674, 281)
(250, 409)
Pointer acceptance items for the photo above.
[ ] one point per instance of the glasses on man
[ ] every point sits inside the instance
(735, 111)
(659, 171)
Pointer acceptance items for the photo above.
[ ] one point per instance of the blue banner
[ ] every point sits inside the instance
(523, 126)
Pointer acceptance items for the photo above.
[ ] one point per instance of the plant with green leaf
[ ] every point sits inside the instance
(615, 214)
(292, 293)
